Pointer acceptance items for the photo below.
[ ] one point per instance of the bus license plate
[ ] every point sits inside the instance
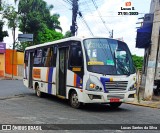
(114, 100)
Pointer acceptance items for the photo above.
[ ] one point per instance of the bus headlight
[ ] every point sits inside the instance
(94, 84)
(132, 88)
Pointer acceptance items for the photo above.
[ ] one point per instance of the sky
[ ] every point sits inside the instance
(101, 20)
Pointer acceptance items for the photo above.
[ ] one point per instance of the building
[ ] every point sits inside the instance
(15, 62)
(2, 59)
(11, 62)
(148, 38)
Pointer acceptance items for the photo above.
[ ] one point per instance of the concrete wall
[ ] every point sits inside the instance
(8, 62)
(149, 55)
(18, 62)
(2, 65)
(20, 70)
(152, 6)
(20, 58)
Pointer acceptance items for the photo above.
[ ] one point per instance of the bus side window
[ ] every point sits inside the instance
(47, 57)
(54, 56)
(76, 58)
(38, 57)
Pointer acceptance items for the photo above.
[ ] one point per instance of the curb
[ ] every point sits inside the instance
(10, 79)
(143, 105)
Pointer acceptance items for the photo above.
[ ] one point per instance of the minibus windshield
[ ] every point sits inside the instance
(108, 56)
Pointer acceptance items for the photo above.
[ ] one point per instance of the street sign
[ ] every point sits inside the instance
(25, 37)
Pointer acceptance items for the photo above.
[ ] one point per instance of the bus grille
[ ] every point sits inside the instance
(116, 86)
(120, 96)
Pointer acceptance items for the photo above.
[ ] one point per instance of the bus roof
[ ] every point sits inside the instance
(62, 40)
(55, 42)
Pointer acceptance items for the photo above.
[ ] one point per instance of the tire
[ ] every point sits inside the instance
(74, 100)
(115, 105)
(38, 92)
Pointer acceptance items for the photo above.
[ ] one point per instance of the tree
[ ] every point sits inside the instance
(22, 45)
(11, 15)
(2, 33)
(35, 18)
(55, 24)
(68, 34)
(48, 35)
(138, 61)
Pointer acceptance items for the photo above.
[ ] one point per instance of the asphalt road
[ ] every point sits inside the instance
(19, 105)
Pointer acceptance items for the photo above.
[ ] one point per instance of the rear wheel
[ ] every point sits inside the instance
(74, 100)
(115, 105)
(38, 92)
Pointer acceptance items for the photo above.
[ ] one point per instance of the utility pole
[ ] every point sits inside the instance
(74, 27)
(153, 54)
(1, 23)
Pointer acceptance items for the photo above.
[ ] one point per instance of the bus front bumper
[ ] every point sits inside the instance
(101, 97)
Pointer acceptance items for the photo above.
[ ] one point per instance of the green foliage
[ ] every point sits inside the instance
(67, 34)
(21, 46)
(138, 61)
(11, 15)
(47, 35)
(2, 33)
(35, 18)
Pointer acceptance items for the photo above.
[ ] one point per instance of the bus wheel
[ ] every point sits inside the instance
(38, 92)
(74, 100)
(115, 105)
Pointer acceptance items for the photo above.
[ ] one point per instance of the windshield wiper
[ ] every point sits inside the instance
(122, 67)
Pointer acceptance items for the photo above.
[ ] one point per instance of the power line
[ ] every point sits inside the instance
(82, 25)
(68, 2)
(94, 3)
(86, 3)
(75, 9)
(80, 14)
(64, 4)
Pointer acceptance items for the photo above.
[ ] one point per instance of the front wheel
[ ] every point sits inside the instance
(38, 92)
(115, 105)
(74, 100)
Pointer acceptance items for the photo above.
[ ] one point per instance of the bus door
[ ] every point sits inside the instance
(62, 70)
(30, 68)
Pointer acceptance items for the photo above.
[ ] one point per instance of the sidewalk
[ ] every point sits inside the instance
(9, 77)
(139, 101)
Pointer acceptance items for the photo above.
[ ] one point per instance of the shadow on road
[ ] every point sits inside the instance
(87, 107)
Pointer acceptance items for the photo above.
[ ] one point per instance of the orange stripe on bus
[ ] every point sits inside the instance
(75, 79)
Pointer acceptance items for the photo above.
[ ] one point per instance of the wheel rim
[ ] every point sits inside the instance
(38, 91)
(74, 100)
